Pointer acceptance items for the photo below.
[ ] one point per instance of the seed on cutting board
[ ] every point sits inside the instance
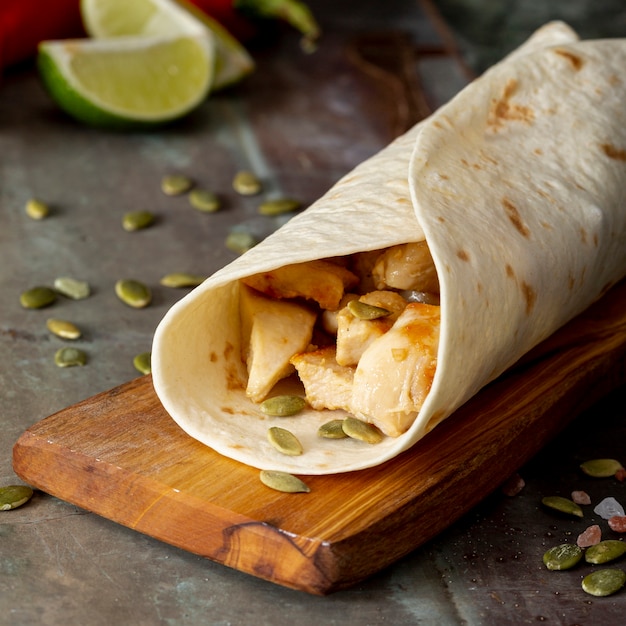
(279, 206)
(563, 505)
(72, 288)
(563, 556)
(240, 242)
(133, 293)
(358, 429)
(365, 311)
(283, 481)
(601, 468)
(284, 441)
(246, 183)
(70, 357)
(175, 184)
(36, 209)
(283, 406)
(604, 582)
(204, 200)
(181, 279)
(605, 551)
(13, 496)
(63, 328)
(332, 430)
(38, 297)
(142, 362)
(137, 220)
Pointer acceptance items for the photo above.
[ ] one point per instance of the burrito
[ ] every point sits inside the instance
(420, 276)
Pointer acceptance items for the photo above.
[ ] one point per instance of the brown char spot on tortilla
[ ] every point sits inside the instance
(619, 154)
(463, 255)
(575, 61)
(503, 110)
(583, 235)
(514, 217)
(510, 272)
(530, 296)
(213, 357)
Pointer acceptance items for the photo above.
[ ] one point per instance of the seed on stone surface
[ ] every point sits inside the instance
(175, 184)
(279, 206)
(13, 496)
(246, 183)
(70, 357)
(239, 241)
(605, 551)
(601, 468)
(604, 582)
(283, 406)
(63, 328)
(204, 200)
(366, 311)
(142, 362)
(36, 209)
(133, 293)
(563, 505)
(332, 430)
(617, 523)
(72, 288)
(358, 429)
(38, 297)
(178, 280)
(284, 441)
(137, 220)
(589, 537)
(283, 481)
(563, 556)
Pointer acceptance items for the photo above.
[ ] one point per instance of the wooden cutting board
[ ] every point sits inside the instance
(119, 455)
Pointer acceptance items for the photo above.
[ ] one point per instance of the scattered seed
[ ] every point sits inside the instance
(36, 209)
(204, 200)
(240, 241)
(13, 496)
(284, 441)
(72, 288)
(564, 505)
(562, 557)
(142, 362)
(605, 551)
(617, 523)
(63, 328)
(581, 497)
(589, 537)
(365, 311)
(175, 184)
(332, 430)
(70, 357)
(137, 220)
(38, 298)
(246, 183)
(358, 429)
(283, 406)
(278, 207)
(133, 293)
(609, 507)
(181, 279)
(283, 481)
(604, 582)
(601, 468)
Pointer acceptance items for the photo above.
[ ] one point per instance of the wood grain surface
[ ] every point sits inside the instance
(118, 454)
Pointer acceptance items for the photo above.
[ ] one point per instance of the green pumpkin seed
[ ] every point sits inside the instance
(278, 207)
(175, 184)
(562, 557)
(358, 429)
(36, 209)
(240, 242)
(137, 220)
(564, 505)
(38, 298)
(332, 430)
(133, 293)
(204, 200)
(13, 496)
(246, 183)
(142, 362)
(366, 311)
(284, 441)
(181, 279)
(63, 328)
(72, 288)
(70, 357)
(601, 468)
(283, 406)
(604, 582)
(283, 481)
(605, 551)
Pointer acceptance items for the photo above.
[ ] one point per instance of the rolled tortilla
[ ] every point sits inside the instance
(517, 186)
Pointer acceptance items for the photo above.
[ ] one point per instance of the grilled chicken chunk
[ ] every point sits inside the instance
(408, 266)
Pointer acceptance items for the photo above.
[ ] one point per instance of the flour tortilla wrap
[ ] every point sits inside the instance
(517, 185)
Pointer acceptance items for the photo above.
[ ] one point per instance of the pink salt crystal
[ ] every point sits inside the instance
(513, 485)
(618, 523)
(621, 474)
(581, 497)
(589, 537)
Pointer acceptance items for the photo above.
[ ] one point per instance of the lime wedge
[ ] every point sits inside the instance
(128, 81)
(118, 18)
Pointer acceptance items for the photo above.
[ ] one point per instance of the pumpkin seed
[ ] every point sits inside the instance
(142, 362)
(38, 298)
(365, 311)
(283, 481)
(601, 468)
(137, 220)
(332, 430)
(70, 357)
(36, 209)
(604, 582)
(63, 328)
(283, 406)
(239, 241)
(204, 200)
(72, 288)
(284, 441)
(181, 279)
(13, 496)
(133, 293)
(564, 505)
(563, 556)
(175, 184)
(278, 207)
(246, 183)
(358, 429)
(605, 551)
